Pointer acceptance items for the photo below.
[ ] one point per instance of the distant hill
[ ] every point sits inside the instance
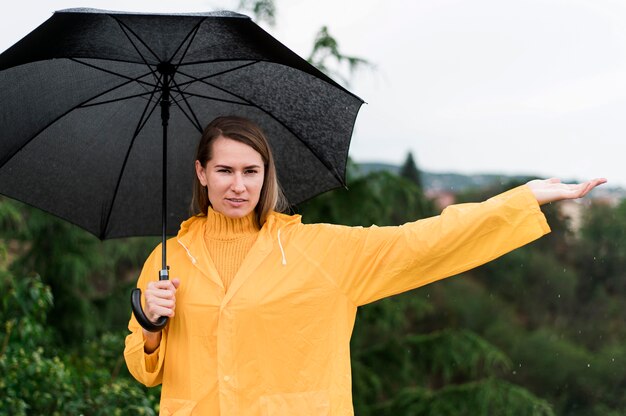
(455, 182)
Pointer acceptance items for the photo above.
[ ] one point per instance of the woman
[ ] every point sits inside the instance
(262, 306)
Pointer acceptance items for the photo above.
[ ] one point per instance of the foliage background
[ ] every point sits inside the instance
(537, 332)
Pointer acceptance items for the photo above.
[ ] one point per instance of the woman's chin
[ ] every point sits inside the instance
(234, 211)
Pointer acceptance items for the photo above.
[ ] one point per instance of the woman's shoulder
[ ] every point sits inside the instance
(294, 226)
(189, 229)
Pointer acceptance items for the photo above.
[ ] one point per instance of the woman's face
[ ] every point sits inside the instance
(233, 177)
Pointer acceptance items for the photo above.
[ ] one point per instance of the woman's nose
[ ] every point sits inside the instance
(238, 185)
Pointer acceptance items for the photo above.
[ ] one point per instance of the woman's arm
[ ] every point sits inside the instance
(145, 355)
(376, 262)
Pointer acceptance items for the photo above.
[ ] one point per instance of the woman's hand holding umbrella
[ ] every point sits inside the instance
(552, 190)
(160, 301)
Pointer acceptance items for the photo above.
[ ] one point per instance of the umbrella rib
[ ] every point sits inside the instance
(187, 84)
(193, 32)
(208, 97)
(316, 73)
(143, 94)
(195, 79)
(80, 105)
(140, 125)
(195, 121)
(108, 71)
(125, 28)
(183, 92)
(142, 121)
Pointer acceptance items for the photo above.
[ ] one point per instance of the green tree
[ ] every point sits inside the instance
(325, 54)
(262, 10)
(39, 378)
(327, 57)
(379, 198)
(601, 251)
(81, 271)
(409, 171)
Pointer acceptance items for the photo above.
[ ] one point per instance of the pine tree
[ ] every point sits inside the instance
(410, 171)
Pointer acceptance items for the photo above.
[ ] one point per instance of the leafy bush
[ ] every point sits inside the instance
(40, 378)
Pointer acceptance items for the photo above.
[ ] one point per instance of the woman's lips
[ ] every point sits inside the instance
(236, 202)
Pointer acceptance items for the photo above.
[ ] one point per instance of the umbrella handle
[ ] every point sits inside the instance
(140, 316)
(135, 303)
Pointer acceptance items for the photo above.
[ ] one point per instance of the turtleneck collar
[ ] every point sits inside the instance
(221, 227)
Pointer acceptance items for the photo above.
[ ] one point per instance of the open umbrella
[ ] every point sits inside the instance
(100, 113)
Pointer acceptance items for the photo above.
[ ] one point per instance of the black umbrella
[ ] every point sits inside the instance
(94, 105)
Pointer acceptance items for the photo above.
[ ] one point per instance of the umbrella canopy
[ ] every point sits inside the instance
(101, 112)
(81, 131)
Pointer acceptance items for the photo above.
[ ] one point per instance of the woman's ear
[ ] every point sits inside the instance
(201, 173)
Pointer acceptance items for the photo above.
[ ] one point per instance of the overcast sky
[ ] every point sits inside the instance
(487, 86)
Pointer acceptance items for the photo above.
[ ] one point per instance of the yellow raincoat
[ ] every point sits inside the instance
(278, 342)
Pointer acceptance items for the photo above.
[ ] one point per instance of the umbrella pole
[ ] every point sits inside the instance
(165, 116)
(166, 70)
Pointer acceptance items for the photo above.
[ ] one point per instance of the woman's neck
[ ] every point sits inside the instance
(221, 227)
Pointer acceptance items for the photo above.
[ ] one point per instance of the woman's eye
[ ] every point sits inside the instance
(251, 171)
(222, 170)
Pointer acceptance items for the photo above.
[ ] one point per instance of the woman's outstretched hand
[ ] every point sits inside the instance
(552, 190)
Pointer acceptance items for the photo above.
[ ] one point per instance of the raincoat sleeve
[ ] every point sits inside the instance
(371, 263)
(146, 368)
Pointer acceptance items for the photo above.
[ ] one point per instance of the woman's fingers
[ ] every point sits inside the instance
(164, 285)
(584, 188)
(551, 190)
(155, 312)
(595, 182)
(164, 302)
(160, 298)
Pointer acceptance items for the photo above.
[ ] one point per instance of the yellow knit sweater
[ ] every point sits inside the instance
(228, 241)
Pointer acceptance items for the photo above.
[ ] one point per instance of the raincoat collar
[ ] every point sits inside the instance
(191, 238)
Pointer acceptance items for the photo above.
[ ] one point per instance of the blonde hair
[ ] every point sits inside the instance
(244, 131)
